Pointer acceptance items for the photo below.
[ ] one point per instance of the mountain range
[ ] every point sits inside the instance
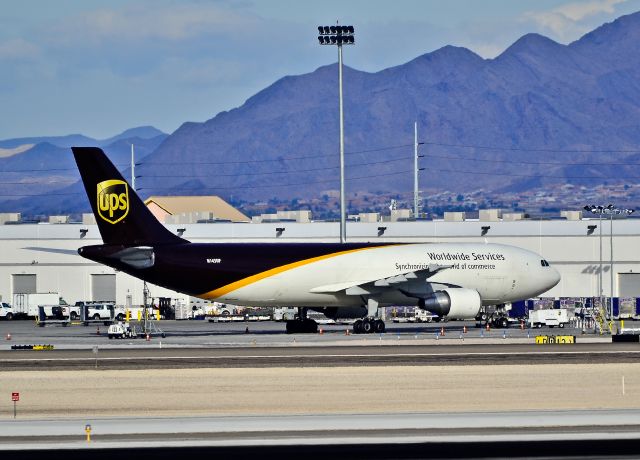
(541, 113)
(39, 175)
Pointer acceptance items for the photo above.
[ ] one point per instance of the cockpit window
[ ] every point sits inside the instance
(544, 263)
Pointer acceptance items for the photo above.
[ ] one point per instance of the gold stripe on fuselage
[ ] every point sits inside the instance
(274, 271)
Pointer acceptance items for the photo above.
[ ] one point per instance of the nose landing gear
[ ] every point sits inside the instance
(302, 324)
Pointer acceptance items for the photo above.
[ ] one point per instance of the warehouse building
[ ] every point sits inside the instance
(43, 258)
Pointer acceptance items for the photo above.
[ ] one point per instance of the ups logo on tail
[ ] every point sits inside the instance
(113, 200)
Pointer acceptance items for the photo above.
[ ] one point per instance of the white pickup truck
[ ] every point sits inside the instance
(6, 312)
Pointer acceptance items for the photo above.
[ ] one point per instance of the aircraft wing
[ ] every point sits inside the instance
(376, 286)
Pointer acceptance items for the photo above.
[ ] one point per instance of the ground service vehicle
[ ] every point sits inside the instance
(120, 330)
(6, 312)
(101, 311)
(449, 280)
(26, 305)
(549, 317)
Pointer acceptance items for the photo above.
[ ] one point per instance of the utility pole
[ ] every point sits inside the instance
(133, 170)
(416, 193)
(339, 35)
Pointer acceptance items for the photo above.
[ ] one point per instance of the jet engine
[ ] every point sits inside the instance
(456, 303)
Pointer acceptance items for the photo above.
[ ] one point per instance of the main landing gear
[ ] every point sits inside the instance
(371, 323)
(302, 324)
(368, 326)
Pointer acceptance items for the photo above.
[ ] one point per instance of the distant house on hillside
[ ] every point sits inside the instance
(191, 209)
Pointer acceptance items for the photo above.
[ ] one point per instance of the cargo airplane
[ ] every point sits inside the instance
(338, 279)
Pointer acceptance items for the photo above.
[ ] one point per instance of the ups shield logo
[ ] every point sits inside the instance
(113, 200)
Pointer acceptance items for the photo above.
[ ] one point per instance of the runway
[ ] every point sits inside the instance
(195, 334)
(214, 389)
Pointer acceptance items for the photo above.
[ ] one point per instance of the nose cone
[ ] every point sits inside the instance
(553, 277)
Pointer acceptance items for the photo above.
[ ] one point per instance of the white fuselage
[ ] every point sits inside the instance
(499, 273)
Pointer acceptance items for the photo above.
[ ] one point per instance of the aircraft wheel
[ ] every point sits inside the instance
(357, 327)
(367, 326)
(379, 326)
(504, 323)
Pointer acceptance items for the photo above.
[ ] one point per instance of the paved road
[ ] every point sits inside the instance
(203, 333)
(574, 434)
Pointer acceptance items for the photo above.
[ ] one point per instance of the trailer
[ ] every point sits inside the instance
(503, 315)
(284, 313)
(549, 317)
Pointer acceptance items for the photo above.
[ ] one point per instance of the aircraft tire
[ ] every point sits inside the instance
(379, 326)
(357, 327)
(504, 323)
(367, 326)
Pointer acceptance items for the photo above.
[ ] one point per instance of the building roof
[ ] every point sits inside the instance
(182, 204)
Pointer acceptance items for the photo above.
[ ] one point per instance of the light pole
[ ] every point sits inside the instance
(339, 35)
(610, 210)
(613, 210)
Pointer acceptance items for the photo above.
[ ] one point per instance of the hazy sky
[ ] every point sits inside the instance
(98, 67)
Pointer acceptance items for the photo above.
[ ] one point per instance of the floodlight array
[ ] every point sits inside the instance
(336, 35)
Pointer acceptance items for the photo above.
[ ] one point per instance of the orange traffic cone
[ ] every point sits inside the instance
(522, 325)
(488, 327)
(320, 331)
(442, 331)
(148, 337)
(464, 329)
(9, 336)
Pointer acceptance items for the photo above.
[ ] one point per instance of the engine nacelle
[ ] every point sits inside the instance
(457, 303)
(342, 312)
